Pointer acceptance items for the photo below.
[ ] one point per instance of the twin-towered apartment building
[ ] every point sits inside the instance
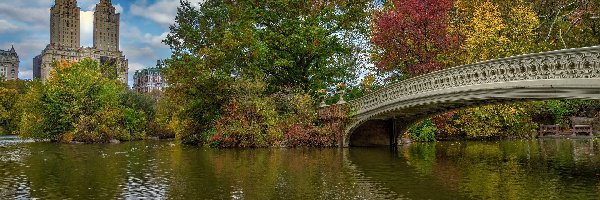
(65, 45)
(65, 39)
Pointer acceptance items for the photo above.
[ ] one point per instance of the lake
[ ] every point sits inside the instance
(529, 169)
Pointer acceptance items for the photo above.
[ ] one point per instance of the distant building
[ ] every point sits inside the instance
(9, 64)
(65, 39)
(37, 62)
(148, 80)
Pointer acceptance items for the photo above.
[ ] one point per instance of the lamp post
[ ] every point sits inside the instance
(341, 90)
(323, 95)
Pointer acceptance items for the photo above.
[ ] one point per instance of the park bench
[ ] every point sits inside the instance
(548, 129)
(583, 129)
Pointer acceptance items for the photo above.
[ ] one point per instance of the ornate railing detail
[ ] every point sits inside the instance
(580, 63)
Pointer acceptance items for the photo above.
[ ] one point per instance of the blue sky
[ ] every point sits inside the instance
(144, 23)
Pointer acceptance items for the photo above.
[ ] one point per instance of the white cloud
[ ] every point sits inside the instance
(87, 4)
(135, 66)
(139, 53)
(26, 49)
(6, 26)
(155, 41)
(86, 24)
(162, 12)
(25, 74)
(35, 18)
(119, 8)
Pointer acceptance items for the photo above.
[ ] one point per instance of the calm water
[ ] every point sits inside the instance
(538, 169)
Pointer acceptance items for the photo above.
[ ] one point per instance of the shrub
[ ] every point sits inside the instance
(423, 131)
(79, 103)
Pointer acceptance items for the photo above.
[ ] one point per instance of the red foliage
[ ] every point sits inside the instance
(413, 34)
(308, 135)
(441, 121)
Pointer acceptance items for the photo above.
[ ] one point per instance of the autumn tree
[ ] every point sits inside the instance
(489, 34)
(10, 111)
(412, 37)
(287, 45)
(569, 23)
(79, 103)
(8, 100)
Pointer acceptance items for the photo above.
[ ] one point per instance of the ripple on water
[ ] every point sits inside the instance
(148, 187)
(164, 170)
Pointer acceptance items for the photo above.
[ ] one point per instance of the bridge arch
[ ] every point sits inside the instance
(561, 74)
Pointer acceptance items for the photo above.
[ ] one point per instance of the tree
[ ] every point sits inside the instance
(11, 92)
(287, 44)
(491, 34)
(569, 23)
(79, 103)
(412, 37)
(8, 100)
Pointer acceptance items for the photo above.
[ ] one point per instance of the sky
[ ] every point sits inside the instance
(144, 24)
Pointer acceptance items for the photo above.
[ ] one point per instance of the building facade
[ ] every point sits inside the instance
(65, 39)
(148, 80)
(106, 27)
(9, 64)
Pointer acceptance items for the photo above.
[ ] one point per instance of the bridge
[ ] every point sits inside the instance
(561, 74)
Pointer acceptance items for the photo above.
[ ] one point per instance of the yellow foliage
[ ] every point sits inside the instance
(524, 21)
(491, 34)
(60, 66)
(484, 34)
(504, 120)
(67, 137)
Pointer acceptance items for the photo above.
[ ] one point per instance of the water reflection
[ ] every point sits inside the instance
(556, 169)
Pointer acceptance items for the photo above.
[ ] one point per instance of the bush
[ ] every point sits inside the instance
(491, 122)
(423, 131)
(79, 103)
(250, 119)
(255, 119)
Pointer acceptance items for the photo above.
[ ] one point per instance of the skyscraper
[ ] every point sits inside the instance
(65, 39)
(106, 26)
(64, 24)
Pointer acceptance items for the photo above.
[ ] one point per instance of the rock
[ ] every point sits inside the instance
(154, 138)
(114, 141)
(405, 140)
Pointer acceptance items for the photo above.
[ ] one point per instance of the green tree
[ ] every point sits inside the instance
(569, 24)
(8, 100)
(79, 103)
(287, 44)
(11, 92)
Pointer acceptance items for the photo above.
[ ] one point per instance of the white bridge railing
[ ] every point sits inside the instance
(579, 63)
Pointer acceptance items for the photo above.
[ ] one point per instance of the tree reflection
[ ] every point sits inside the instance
(556, 169)
(511, 169)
